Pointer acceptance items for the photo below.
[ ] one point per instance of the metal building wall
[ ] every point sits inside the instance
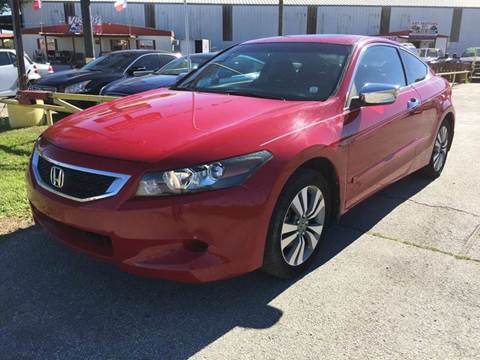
(250, 22)
(295, 20)
(205, 21)
(253, 21)
(469, 33)
(362, 20)
(402, 17)
(49, 14)
(133, 15)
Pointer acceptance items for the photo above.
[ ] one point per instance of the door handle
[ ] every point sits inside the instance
(413, 103)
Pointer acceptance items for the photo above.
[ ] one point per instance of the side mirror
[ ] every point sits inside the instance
(376, 94)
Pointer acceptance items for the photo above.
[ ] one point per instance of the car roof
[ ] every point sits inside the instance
(143, 51)
(324, 38)
(201, 55)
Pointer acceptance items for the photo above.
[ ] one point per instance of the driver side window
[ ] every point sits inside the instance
(378, 64)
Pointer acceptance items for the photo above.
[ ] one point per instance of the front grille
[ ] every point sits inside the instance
(77, 183)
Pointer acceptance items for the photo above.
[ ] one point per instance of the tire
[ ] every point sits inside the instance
(440, 151)
(288, 230)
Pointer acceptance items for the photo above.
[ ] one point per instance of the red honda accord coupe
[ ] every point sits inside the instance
(245, 162)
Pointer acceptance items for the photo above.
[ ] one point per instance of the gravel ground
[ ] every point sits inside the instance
(398, 279)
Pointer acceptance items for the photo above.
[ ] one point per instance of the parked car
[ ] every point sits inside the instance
(116, 65)
(430, 54)
(471, 54)
(167, 76)
(446, 58)
(226, 173)
(409, 46)
(9, 73)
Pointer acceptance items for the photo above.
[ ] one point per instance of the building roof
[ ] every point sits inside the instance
(323, 38)
(410, 3)
(103, 29)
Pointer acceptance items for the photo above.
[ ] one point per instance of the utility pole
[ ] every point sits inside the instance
(280, 17)
(17, 34)
(87, 30)
(187, 33)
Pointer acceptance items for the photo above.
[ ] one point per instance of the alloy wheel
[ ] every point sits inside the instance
(303, 225)
(440, 148)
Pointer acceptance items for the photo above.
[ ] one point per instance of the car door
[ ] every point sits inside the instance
(430, 91)
(381, 138)
(8, 74)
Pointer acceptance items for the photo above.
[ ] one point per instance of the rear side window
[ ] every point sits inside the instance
(4, 59)
(415, 69)
(379, 64)
(153, 62)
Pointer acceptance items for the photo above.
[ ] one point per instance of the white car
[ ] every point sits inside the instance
(9, 75)
(430, 54)
(409, 46)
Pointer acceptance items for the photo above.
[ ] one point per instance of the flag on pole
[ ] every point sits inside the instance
(37, 4)
(120, 5)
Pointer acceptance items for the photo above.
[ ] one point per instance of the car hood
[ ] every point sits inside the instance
(185, 126)
(136, 85)
(64, 78)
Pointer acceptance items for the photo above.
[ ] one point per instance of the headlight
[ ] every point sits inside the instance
(78, 87)
(215, 175)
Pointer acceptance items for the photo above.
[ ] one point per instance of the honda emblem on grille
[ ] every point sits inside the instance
(57, 176)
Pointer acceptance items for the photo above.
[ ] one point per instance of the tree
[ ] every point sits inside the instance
(5, 5)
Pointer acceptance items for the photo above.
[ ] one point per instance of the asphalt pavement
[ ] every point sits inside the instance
(399, 279)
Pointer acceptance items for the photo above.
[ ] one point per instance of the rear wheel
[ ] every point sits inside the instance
(440, 151)
(298, 225)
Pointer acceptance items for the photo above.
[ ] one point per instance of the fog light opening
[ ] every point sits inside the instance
(195, 245)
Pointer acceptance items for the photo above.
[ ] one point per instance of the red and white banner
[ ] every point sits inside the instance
(37, 4)
(120, 5)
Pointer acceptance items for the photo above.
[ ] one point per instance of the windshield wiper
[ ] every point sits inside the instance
(242, 93)
(185, 88)
(252, 94)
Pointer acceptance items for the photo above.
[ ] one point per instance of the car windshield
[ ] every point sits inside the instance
(289, 71)
(180, 65)
(114, 62)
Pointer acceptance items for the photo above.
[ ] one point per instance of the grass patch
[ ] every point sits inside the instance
(15, 149)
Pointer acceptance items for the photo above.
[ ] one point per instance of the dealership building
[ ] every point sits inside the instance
(450, 24)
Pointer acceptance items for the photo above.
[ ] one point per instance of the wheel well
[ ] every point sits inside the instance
(451, 121)
(328, 171)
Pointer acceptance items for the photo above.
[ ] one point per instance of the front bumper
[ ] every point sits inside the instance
(160, 237)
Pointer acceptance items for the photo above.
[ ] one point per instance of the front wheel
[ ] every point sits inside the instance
(440, 151)
(298, 225)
